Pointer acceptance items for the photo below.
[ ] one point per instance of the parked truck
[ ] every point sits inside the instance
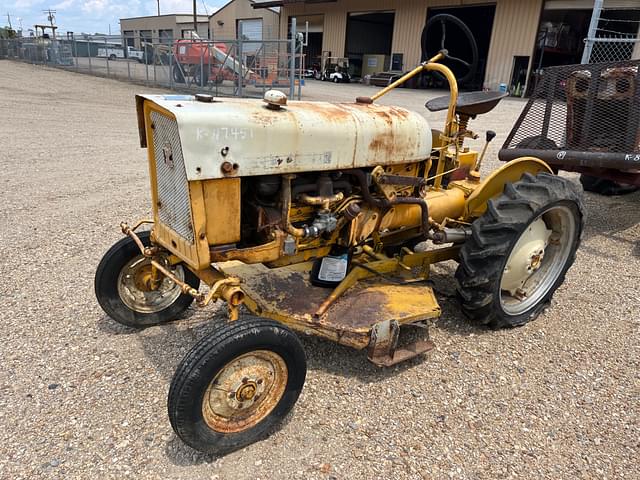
(113, 53)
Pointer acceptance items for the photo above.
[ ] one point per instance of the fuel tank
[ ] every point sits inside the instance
(243, 137)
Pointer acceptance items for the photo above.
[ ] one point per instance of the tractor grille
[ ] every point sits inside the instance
(174, 209)
(588, 108)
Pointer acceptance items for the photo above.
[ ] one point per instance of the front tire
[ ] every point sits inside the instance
(520, 250)
(121, 292)
(236, 385)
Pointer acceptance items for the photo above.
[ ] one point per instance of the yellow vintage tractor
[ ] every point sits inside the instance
(324, 219)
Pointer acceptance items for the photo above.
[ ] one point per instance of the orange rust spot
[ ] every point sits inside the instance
(383, 143)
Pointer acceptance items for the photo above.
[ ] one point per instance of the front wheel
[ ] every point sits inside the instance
(236, 385)
(520, 250)
(122, 286)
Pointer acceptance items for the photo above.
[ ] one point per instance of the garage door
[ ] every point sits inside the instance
(252, 29)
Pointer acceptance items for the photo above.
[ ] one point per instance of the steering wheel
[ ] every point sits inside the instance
(442, 20)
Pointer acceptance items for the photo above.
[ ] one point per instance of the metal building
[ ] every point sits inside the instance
(257, 24)
(161, 28)
(516, 38)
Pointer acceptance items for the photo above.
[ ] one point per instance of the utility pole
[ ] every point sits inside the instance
(593, 27)
(158, 7)
(9, 20)
(51, 16)
(195, 16)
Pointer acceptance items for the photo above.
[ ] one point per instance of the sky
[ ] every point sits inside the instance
(93, 16)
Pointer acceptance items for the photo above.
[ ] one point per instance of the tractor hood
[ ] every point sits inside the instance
(256, 139)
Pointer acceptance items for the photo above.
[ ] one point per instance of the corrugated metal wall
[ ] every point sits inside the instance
(243, 10)
(514, 28)
(514, 33)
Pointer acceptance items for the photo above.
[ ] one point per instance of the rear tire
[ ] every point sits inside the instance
(520, 250)
(201, 77)
(235, 385)
(112, 57)
(178, 76)
(120, 296)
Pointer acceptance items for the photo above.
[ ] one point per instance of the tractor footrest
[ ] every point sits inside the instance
(403, 353)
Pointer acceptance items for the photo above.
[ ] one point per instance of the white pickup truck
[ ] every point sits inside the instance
(113, 53)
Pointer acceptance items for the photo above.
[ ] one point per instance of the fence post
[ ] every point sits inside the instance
(239, 59)
(171, 64)
(591, 35)
(89, 42)
(145, 57)
(126, 50)
(292, 64)
(201, 66)
(153, 59)
(106, 52)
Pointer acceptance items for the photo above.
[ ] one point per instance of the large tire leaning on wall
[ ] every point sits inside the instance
(520, 250)
(236, 385)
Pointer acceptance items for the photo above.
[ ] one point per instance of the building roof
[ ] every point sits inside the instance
(201, 17)
(280, 3)
(256, 4)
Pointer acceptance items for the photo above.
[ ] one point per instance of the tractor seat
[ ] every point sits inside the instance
(470, 103)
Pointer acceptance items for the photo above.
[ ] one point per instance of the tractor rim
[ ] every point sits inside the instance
(135, 290)
(537, 260)
(245, 391)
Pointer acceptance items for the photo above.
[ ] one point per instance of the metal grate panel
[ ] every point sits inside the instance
(587, 108)
(173, 192)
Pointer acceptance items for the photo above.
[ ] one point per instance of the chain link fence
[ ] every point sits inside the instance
(613, 48)
(238, 67)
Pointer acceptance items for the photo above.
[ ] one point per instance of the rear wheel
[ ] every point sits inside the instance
(112, 57)
(123, 291)
(520, 250)
(236, 385)
(201, 77)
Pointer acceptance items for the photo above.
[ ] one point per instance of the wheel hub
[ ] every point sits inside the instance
(537, 260)
(140, 293)
(247, 392)
(526, 257)
(244, 391)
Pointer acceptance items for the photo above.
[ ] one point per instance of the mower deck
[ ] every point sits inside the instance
(285, 294)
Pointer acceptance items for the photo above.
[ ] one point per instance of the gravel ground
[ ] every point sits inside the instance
(82, 397)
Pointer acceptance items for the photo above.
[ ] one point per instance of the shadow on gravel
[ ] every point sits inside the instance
(182, 455)
(109, 326)
(607, 216)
